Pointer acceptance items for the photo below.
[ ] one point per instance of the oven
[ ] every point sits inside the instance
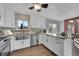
(5, 46)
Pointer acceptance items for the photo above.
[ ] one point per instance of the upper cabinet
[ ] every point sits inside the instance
(10, 18)
(37, 21)
(7, 18)
(2, 16)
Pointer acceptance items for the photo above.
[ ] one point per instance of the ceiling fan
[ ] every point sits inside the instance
(38, 6)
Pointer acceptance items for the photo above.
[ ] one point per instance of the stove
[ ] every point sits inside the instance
(5, 47)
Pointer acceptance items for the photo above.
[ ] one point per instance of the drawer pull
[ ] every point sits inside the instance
(57, 42)
(5, 40)
(46, 40)
(58, 39)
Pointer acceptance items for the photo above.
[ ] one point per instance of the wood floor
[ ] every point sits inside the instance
(39, 50)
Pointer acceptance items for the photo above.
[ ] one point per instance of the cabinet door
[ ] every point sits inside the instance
(48, 42)
(2, 16)
(10, 21)
(45, 41)
(51, 43)
(15, 44)
(54, 44)
(33, 21)
(26, 43)
(59, 49)
(41, 39)
(19, 44)
(41, 22)
(37, 21)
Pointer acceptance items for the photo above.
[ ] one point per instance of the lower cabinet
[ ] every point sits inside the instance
(42, 39)
(56, 45)
(51, 43)
(59, 47)
(19, 44)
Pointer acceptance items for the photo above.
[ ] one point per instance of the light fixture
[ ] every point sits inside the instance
(37, 6)
(71, 21)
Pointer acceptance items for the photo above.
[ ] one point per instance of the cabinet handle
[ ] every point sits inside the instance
(58, 39)
(46, 40)
(57, 42)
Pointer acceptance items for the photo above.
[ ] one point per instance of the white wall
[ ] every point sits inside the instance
(61, 26)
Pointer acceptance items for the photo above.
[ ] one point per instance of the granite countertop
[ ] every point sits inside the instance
(31, 32)
(18, 33)
(60, 37)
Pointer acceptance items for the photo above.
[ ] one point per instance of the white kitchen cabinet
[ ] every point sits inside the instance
(59, 46)
(6, 17)
(41, 38)
(37, 21)
(33, 21)
(68, 47)
(10, 18)
(2, 16)
(41, 21)
(26, 43)
(51, 43)
(54, 44)
(19, 44)
(46, 40)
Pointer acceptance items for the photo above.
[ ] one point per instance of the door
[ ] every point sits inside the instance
(71, 25)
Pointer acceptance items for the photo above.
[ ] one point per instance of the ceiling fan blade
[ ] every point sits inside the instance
(44, 5)
(38, 10)
(31, 8)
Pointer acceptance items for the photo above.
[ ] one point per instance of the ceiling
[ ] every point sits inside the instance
(55, 11)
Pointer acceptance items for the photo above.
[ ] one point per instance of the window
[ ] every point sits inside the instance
(22, 24)
(52, 28)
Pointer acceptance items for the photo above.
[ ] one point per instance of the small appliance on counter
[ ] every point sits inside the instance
(44, 31)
